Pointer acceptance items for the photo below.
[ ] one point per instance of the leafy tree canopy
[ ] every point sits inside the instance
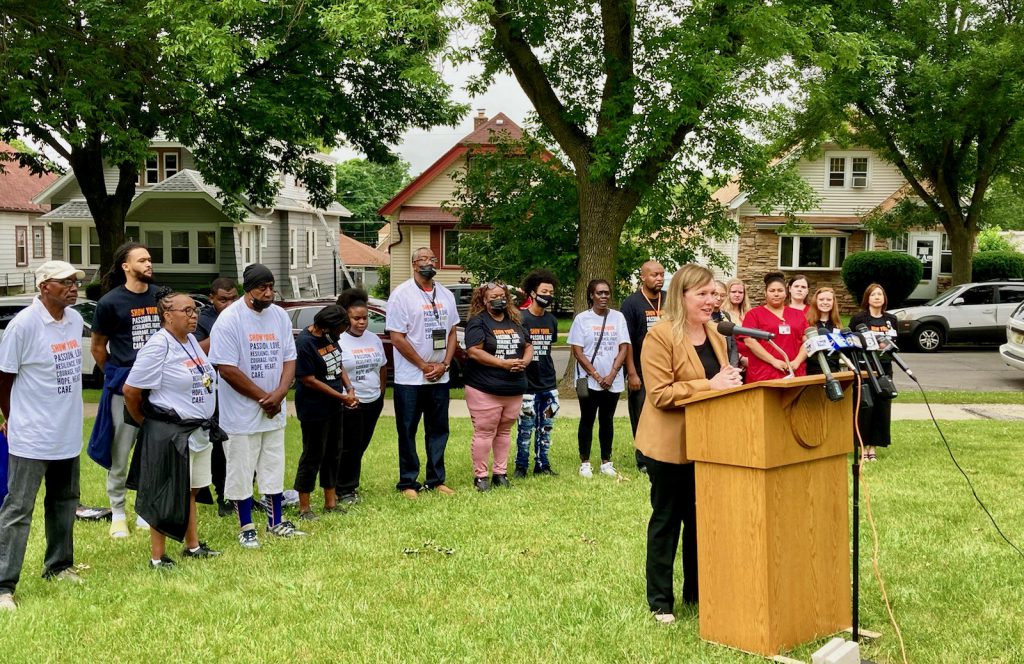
(364, 187)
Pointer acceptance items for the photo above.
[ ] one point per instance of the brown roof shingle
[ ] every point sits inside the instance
(18, 186)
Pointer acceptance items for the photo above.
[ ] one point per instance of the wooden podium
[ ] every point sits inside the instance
(772, 512)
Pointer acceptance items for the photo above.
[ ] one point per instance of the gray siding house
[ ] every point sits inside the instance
(179, 218)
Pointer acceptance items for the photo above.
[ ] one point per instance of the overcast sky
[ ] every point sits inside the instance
(421, 148)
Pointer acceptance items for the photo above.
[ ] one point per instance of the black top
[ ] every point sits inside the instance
(543, 330)
(884, 323)
(640, 316)
(321, 358)
(834, 365)
(708, 359)
(207, 318)
(502, 339)
(128, 320)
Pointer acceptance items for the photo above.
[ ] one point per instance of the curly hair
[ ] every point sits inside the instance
(478, 304)
(353, 297)
(115, 276)
(535, 278)
(163, 298)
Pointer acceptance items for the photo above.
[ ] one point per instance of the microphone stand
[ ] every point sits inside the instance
(783, 354)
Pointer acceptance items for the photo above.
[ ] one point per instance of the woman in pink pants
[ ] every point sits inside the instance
(499, 350)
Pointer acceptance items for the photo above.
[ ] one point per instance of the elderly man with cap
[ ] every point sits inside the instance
(253, 349)
(41, 400)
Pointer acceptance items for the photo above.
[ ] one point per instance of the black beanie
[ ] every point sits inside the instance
(256, 275)
(330, 317)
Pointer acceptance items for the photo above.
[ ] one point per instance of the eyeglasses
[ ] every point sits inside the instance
(66, 283)
(432, 261)
(494, 284)
(188, 311)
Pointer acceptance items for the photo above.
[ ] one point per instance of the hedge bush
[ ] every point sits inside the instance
(998, 265)
(898, 273)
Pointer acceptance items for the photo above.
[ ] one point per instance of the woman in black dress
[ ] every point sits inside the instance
(875, 424)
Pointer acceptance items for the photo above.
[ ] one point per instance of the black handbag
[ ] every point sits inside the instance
(582, 388)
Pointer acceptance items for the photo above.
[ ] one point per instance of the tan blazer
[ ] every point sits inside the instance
(672, 373)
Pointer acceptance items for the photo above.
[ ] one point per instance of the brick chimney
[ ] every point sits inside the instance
(480, 119)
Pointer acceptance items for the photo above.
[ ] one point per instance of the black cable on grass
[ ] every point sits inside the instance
(966, 477)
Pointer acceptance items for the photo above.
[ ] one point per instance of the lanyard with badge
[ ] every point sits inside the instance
(207, 378)
(437, 334)
(657, 309)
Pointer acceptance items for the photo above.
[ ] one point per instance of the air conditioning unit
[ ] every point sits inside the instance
(860, 181)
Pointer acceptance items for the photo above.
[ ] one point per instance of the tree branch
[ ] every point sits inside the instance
(617, 97)
(986, 166)
(530, 74)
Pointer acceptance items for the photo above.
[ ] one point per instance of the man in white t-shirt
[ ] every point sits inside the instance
(41, 400)
(253, 349)
(421, 317)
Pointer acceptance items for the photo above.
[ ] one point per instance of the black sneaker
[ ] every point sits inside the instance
(163, 563)
(500, 480)
(202, 552)
(350, 499)
(520, 473)
(308, 515)
(226, 508)
(482, 484)
(544, 470)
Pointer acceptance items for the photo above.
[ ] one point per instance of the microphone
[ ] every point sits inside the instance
(730, 342)
(840, 345)
(816, 344)
(846, 342)
(885, 384)
(728, 329)
(887, 345)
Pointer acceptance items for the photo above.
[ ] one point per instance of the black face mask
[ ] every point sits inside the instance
(427, 271)
(260, 305)
(543, 301)
(498, 305)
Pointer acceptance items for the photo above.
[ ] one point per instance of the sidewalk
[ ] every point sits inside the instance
(900, 411)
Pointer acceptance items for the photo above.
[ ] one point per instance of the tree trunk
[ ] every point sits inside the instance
(962, 237)
(603, 213)
(108, 209)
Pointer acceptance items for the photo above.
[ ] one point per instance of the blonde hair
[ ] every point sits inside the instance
(813, 315)
(736, 314)
(686, 278)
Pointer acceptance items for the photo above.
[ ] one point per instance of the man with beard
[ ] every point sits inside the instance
(253, 349)
(125, 319)
(642, 310)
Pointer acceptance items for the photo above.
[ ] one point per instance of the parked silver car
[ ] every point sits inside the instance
(1012, 351)
(12, 304)
(976, 313)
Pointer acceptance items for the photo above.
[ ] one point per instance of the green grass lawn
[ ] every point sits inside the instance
(551, 570)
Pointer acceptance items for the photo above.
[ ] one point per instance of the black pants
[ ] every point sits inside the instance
(219, 469)
(636, 407)
(321, 450)
(600, 405)
(357, 430)
(673, 510)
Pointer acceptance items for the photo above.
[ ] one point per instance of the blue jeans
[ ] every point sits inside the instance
(536, 420)
(431, 403)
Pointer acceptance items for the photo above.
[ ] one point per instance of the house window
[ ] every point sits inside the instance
(75, 248)
(310, 246)
(293, 248)
(250, 249)
(152, 170)
(811, 252)
(837, 172)
(160, 166)
(945, 256)
(38, 243)
(450, 248)
(899, 243)
(206, 251)
(179, 247)
(155, 243)
(21, 246)
(131, 234)
(859, 171)
(170, 163)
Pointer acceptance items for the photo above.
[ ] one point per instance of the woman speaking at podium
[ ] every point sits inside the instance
(683, 355)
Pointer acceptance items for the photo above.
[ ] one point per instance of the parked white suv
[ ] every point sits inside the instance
(12, 304)
(1013, 350)
(975, 313)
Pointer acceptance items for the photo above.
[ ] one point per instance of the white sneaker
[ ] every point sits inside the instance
(118, 528)
(7, 602)
(586, 470)
(665, 618)
(608, 469)
(141, 524)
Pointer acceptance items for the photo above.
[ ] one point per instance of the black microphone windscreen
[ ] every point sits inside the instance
(725, 328)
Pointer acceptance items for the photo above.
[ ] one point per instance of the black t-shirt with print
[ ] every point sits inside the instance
(503, 339)
(886, 323)
(321, 358)
(543, 329)
(641, 316)
(128, 320)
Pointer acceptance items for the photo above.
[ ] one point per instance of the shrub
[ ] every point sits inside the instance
(93, 290)
(998, 265)
(898, 273)
(991, 240)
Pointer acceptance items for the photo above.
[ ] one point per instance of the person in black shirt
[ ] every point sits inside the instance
(874, 425)
(642, 310)
(823, 314)
(540, 402)
(223, 293)
(499, 351)
(321, 392)
(125, 319)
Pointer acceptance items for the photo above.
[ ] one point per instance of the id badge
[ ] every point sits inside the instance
(783, 329)
(440, 339)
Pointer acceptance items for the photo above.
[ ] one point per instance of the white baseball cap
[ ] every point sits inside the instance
(57, 270)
